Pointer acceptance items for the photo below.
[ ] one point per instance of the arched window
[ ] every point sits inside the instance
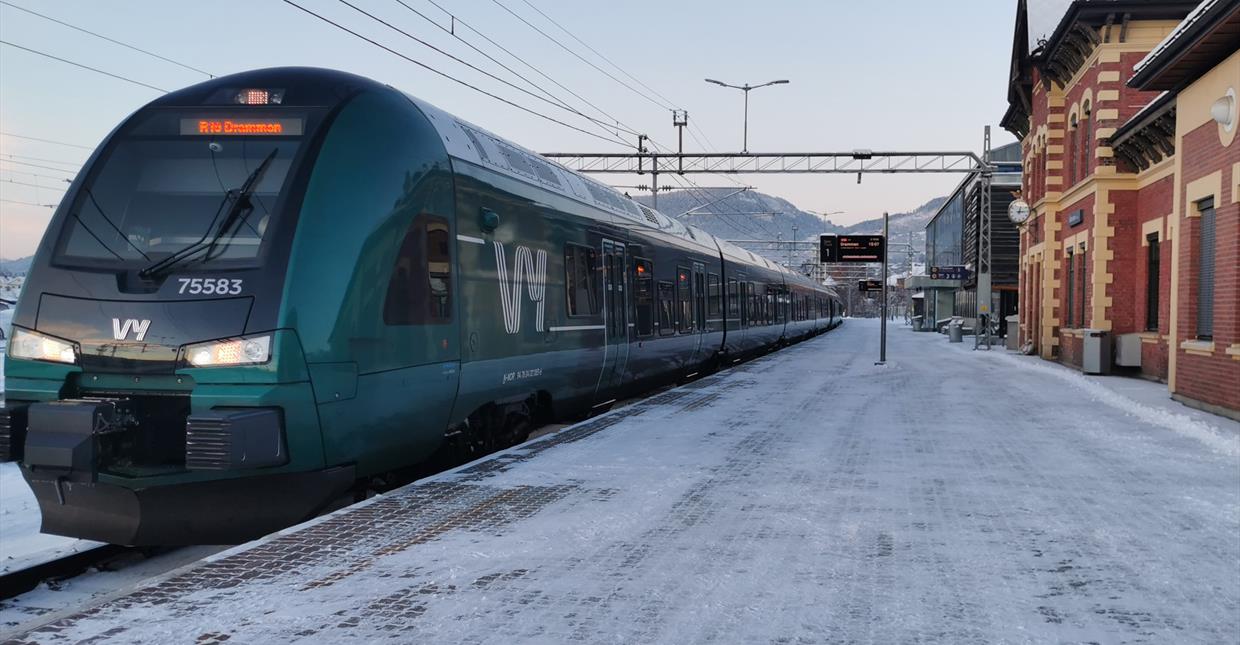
(1072, 152)
(1087, 140)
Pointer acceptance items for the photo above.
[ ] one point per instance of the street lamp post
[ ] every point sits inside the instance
(745, 88)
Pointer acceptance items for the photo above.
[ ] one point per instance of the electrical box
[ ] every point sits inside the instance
(1096, 354)
(1128, 350)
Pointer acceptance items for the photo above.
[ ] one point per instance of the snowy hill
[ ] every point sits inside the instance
(753, 215)
(15, 267)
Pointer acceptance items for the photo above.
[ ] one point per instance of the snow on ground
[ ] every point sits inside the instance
(1148, 401)
(811, 496)
(21, 543)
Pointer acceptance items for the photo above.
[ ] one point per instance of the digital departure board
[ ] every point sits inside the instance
(851, 248)
(242, 127)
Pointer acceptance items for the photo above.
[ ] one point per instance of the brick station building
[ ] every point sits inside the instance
(1126, 114)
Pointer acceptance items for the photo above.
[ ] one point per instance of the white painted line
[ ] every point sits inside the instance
(471, 240)
(577, 328)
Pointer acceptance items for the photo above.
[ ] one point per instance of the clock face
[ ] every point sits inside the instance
(1018, 211)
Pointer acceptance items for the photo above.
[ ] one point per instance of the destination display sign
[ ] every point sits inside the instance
(851, 248)
(861, 248)
(951, 272)
(870, 285)
(243, 127)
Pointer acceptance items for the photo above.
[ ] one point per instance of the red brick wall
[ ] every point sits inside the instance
(1213, 379)
(1070, 349)
(1154, 359)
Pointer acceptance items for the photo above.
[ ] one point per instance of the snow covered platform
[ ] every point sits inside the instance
(950, 496)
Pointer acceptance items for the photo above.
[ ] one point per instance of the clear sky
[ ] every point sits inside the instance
(895, 75)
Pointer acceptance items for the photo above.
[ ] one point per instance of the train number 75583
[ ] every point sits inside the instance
(210, 286)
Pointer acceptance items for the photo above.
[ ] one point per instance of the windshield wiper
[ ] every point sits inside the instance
(240, 202)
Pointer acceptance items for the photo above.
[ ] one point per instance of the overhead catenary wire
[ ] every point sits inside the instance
(111, 40)
(36, 175)
(55, 161)
(87, 67)
(449, 76)
(15, 201)
(552, 102)
(35, 165)
(579, 56)
(59, 143)
(597, 53)
(25, 183)
(536, 69)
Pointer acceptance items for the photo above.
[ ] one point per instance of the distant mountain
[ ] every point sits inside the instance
(15, 267)
(752, 215)
(744, 216)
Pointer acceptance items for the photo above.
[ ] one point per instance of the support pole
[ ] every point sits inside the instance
(745, 137)
(981, 335)
(882, 341)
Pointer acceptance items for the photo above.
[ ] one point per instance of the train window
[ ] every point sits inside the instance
(419, 289)
(752, 313)
(581, 277)
(714, 302)
(743, 300)
(644, 299)
(684, 302)
(734, 301)
(666, 307)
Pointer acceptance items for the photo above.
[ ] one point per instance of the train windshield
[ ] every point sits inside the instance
(153, 197)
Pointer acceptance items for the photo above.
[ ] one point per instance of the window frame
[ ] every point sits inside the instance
(1070, 297)
(1153, 269)
(648, 277)
(593, 279)
(1206, 293)
(669, 301)
(684, 300)
(1084, 275)
(419, 313)
(714, 297)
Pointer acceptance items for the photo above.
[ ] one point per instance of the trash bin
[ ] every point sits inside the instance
(1013, 331)
(1096, 352)
(955, 333)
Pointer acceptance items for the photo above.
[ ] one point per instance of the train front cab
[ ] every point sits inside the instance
(218, 397)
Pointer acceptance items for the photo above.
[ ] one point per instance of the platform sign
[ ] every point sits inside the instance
(951, 272)
(828, 248)
(869, 285)
(861, 248)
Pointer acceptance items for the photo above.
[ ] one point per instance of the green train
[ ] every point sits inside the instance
(265, 289)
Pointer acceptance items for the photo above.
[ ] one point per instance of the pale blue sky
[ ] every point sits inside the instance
(903, 74)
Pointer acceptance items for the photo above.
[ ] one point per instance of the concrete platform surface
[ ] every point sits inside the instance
(950, 496)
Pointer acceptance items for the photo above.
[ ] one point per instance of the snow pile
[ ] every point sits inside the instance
(1217, 439)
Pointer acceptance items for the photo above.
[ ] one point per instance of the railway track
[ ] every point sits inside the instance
(15, 583)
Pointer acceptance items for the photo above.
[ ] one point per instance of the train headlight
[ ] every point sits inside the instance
(40, 347)
(251, 350)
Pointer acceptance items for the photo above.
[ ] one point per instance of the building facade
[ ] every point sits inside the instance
(952, 240)
(1131, 187)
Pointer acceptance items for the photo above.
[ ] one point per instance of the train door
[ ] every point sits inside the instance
(615, 319)
(699, 303)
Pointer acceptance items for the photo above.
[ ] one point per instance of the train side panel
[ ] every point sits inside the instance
(369, 285)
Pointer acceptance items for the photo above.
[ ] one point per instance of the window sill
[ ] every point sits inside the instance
(1234, 351)
(1198, 347)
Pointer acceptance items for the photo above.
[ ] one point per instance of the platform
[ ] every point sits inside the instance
(810, 496)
